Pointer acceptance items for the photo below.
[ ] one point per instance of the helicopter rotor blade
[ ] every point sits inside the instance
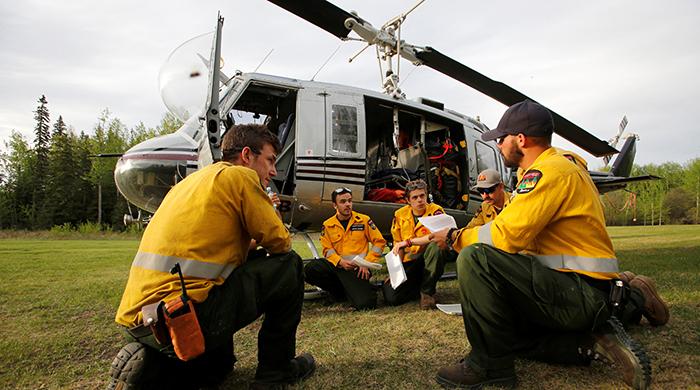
(321, 13)
(509, 96)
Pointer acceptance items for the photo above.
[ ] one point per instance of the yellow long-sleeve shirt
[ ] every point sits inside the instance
(359, 235)
(556, 216)
(404, 226)
(205, 223)
(487, 212)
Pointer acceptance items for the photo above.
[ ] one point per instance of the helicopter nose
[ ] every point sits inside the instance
(144, 178)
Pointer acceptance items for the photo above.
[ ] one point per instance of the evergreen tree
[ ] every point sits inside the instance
(59, 128)
(61, 180)
(42, 143)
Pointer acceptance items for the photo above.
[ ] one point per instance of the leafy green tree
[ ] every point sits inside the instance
(691, 183)
(17, 188)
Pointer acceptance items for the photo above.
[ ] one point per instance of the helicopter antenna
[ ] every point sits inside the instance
(263, 60)
(325, 63)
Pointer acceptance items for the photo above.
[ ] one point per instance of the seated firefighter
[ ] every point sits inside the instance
(204, 227)
(343, 236)
(423, 261)
(540, 281)
(492, 191)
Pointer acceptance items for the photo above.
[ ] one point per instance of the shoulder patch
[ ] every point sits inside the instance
(437, 212)
(372, 225)
(528, 182)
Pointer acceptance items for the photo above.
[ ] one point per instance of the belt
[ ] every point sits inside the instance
(139, 331)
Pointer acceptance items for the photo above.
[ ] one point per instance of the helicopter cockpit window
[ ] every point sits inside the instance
(485, 157)
(344, 122)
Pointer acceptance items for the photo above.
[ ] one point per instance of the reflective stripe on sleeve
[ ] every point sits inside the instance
(376, 250)
(189, 267)
(579, 263)
(350, 257)
(330, 252)
(484, 234)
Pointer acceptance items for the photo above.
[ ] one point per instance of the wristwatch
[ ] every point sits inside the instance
(449, 240)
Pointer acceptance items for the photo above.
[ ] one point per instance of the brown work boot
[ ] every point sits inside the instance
(627, 276)
(613, 345)
(462, 376)
(655, 309)
(427, 302)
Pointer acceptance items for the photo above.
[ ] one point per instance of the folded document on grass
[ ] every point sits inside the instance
(361, 262)
(454, 309)
(397, 274)
(435, 223)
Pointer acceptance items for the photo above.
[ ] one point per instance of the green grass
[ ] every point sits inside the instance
(58, 298)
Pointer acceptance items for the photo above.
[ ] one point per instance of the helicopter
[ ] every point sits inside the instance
(335, 135)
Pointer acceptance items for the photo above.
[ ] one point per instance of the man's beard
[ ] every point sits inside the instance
(514, 157)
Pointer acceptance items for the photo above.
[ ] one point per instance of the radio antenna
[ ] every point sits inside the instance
(263, 60)
(325, 63)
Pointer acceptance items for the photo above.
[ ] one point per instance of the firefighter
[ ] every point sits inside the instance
(423, 261)
(344, 236)
(492, 191)
(539, 281)
(206, 224)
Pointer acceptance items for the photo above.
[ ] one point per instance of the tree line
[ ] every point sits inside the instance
(674, 199)
(57, 181)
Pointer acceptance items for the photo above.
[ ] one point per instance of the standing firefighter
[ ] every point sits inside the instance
(540, 280)
(204, 227)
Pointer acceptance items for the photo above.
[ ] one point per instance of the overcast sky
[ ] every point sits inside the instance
(592, 62)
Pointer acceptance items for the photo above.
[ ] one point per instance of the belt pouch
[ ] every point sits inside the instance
(185, 332)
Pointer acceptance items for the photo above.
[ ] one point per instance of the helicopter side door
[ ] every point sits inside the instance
(330, 152)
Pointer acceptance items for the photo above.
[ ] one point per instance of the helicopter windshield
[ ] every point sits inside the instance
(184, 77)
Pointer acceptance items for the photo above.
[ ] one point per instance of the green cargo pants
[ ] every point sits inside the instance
(514, 306)
(272, 286)
(422, 275)
(341, 284)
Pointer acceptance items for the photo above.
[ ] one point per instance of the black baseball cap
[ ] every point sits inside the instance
(526, 117)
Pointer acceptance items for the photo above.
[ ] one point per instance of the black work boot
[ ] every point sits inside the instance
(463, 376)
(302, 367)
(612, 344)
(135, 367)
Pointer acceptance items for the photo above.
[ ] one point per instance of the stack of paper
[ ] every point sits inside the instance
(435, 223)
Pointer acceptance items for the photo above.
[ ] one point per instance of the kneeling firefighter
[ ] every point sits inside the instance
(193, 282)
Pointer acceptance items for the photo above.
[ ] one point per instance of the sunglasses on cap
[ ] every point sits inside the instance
(342, 190)
(489, 190)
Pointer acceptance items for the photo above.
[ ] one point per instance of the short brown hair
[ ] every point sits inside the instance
(416, 185)
(251, 135)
